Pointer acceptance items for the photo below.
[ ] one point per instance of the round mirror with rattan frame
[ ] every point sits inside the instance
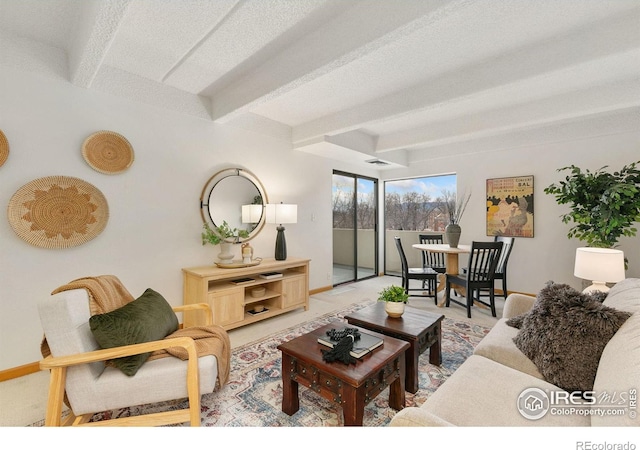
(224, 195)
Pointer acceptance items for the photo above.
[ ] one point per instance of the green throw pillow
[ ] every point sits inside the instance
(147, 318)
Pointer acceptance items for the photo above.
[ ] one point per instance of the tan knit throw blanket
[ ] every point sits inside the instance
(106, 293)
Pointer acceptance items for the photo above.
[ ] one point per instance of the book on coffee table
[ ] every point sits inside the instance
(366, 344)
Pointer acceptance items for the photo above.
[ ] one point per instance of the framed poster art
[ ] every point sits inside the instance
(510, 206)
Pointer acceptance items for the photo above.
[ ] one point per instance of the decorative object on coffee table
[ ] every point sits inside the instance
(4, 148)
(421, 329)
(349, 344)
(394, 298)
(58, 212)
(108, 152)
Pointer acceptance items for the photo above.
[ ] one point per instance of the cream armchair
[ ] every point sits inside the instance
(78, 370)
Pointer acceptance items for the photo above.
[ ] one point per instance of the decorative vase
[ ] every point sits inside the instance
(394, 309)
(226, 252)
(452, 233)
(247, 253)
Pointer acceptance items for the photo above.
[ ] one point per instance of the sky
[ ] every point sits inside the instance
(433, 186)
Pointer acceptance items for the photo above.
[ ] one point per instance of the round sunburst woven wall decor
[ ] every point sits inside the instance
(58, 212)
(108, 152)
(4, 148)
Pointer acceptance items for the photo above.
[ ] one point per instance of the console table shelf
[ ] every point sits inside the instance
(231, 302)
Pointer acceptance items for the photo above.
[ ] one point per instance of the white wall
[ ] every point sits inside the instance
(549, 255)
(154, 225)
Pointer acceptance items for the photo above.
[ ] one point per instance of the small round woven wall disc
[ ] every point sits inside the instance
(58, 212)
(108, 152)
(4, 148)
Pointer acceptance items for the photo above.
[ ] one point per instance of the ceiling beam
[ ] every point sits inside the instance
(99, 24)
(586, 127)
(336, 43)
(481, 122)
(615, 36)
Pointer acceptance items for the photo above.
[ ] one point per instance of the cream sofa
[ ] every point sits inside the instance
(485, 389)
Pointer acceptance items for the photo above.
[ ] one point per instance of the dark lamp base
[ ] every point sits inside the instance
(281, 245)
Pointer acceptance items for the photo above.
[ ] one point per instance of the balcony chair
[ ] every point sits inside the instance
(82, 371)
(426, 275)
(432, 259)
(480, 274)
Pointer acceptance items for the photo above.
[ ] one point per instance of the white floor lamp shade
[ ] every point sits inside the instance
(600, 266)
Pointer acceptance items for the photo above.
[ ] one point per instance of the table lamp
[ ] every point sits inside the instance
(251, 213)
(280, 213)
(600, 266)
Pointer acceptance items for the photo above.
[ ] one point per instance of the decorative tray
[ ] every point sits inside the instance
(238, 264)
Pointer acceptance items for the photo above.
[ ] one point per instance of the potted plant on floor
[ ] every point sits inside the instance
(395, 297)
(225, 236)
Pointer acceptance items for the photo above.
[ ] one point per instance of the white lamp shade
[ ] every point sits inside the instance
(599, 264)
(251, 213)
(281, 213)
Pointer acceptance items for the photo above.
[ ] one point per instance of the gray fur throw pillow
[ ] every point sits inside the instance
(565, 333)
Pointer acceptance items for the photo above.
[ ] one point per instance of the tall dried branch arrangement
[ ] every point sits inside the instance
(453, 205)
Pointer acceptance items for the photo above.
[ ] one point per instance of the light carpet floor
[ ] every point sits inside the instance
(23, 400)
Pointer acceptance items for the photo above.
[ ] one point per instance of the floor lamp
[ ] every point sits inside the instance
(280, 213)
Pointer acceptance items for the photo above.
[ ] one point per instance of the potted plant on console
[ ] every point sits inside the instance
(395, 297)
(225, 236)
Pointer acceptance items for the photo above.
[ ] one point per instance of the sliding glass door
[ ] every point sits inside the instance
(355, 228)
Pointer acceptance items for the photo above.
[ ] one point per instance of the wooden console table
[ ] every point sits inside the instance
(233, 305)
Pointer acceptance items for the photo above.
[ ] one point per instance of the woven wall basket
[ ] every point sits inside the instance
(58, 212)
(4, 148)
(108, 152)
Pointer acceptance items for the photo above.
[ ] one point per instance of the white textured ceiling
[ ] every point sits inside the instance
(397, 80)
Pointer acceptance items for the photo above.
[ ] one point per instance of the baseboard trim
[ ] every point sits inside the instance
(318, 290)
(20, 371)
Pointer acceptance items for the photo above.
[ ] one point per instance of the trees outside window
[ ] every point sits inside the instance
(416, 204)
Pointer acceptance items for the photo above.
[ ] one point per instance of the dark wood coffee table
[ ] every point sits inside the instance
(419, 328)
(352, 386)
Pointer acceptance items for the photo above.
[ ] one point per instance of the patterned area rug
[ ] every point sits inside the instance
(253, 396)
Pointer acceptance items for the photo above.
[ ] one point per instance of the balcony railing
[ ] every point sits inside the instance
(343, 248)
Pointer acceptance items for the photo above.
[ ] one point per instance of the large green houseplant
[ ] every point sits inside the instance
(604, 206)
